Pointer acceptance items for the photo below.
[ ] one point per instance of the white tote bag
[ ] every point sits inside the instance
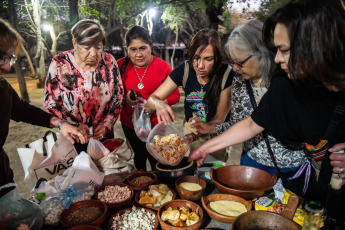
(46, 158)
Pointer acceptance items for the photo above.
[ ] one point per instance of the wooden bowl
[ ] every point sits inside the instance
(134, 175)
(217, 216)
(85, 203)
(136, 199)
(118, 204)
(110, 223)
(187, 194)
(174, 204)
(243, 181)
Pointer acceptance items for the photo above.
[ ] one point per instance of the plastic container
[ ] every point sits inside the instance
(162, 129)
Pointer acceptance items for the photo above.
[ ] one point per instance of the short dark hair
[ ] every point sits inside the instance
(138, 32)
(201, 40)
(88, 32)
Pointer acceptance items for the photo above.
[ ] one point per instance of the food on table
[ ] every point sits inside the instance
(140, 180)
(190, 186)
(114, 194)
(187, 125)
(84, 215)
(228, 207)
(181, 217)
(137, 218)
(155, 196)
(170, 147)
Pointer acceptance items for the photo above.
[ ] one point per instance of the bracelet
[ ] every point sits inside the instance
(61, 122)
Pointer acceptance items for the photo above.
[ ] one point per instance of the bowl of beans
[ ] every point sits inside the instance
(86, 212)
(133, 218)
(115, 195)
(141, 180)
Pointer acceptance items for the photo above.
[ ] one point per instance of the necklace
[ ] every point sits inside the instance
(202, 93)
(141, 85)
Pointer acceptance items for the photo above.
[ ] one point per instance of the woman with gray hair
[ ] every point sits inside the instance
(83, 85)
(254, 65)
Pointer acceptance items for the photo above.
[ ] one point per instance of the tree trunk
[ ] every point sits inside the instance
(39, 58)
(173, 53)
(20, 75)
(21, 80)
(167, 44)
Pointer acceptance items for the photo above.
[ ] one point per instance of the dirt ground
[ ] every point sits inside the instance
(22, 133)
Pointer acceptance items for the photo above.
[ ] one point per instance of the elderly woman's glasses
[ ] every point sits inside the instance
(239, 64)
(8, 58)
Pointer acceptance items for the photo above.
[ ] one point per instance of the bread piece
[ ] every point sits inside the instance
(187, 125)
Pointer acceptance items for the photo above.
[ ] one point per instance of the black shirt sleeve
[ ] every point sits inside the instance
(177, 74)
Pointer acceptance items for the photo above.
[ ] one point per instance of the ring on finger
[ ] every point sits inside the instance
(341, 170)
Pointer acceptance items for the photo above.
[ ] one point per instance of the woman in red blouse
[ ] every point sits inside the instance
(144, 73)
(83, 85)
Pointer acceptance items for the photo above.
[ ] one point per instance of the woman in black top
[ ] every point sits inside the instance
(299, 104)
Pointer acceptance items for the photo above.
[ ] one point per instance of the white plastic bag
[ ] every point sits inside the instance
(96, 149)
(82, 170)
(175, 146)
(141, 120)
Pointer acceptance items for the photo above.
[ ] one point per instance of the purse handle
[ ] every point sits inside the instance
(44, 141)
(264, 133)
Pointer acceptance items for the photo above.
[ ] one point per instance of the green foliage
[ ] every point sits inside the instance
(268, 7)
(89, 11)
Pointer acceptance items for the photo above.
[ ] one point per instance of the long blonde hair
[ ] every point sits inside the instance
(9, 37)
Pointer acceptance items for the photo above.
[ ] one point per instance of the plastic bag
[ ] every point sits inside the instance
(96, 149)
(210, 162)
(141, 120)
(54, 205)
(167, 144)
(19, 210)
(82, 170)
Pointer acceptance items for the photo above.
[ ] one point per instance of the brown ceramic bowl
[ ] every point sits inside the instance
(85, 203)
(217, 216)
(118, 204)
(187, 194)
(155, 208)
(243, 181)
(110, 223)
(135, 175)
(175, 204)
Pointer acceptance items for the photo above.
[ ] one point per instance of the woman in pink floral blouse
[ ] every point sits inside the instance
(83, 85)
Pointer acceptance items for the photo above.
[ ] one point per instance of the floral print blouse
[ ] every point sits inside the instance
(256, 147)
(89, 97)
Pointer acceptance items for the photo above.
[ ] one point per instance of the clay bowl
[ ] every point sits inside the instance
(155, 208)
(136, 175)
(243, 181)
(217, 216)
(85, 227)
(168, 174)
(187, 194)
(85, 203)
(118, 204)
(175, 204)
(110, 223)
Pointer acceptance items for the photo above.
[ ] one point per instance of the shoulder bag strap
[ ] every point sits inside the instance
(225, 76)
(124, 66)
(264, 133)
(185, 75)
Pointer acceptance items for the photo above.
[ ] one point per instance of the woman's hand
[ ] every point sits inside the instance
(100, 132)
(71, 133)
(128, 100)
(338, 159)
(163, 110)
(203, 127)
(199, 156)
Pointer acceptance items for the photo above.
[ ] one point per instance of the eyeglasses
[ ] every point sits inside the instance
(239, 64)
(8, 58)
